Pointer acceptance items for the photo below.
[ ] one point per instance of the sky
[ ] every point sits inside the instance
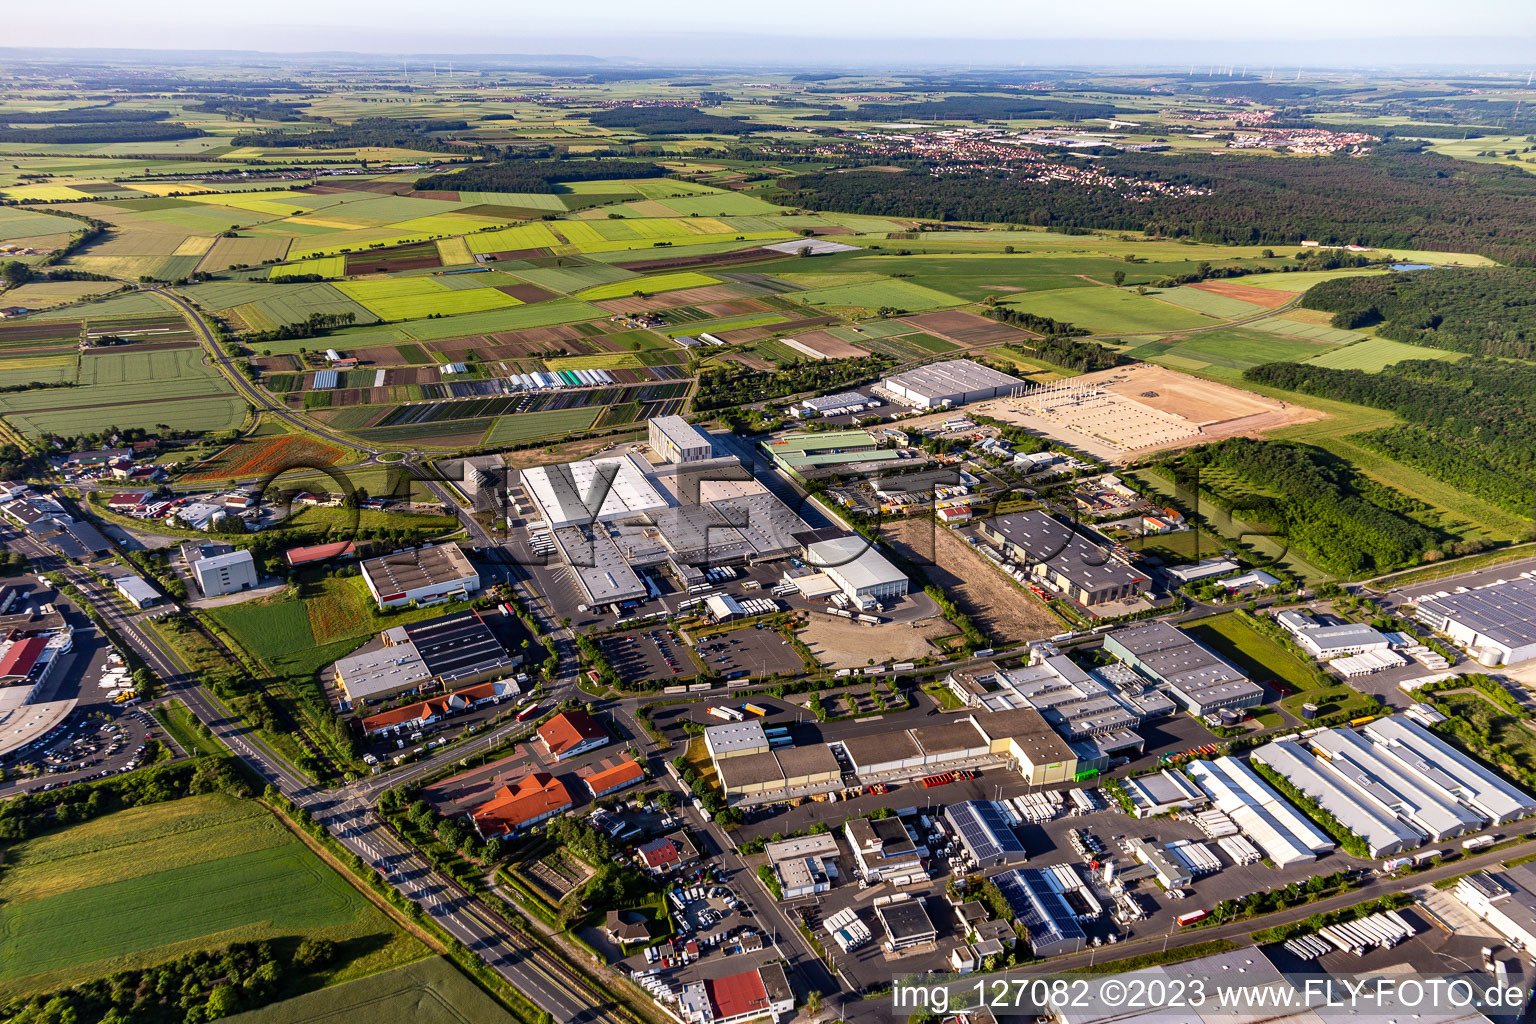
(1034, 32)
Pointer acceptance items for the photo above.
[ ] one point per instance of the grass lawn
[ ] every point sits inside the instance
(1226, 353)
(430, 991)
(1110, 310)
(1257, 655)
(175, 718)
(141, 885)
(1375, 354)
(649, 285)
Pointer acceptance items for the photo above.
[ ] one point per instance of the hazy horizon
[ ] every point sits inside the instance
(1373, 33)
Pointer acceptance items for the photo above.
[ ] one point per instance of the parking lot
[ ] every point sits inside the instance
(650, 652)
(754, 651)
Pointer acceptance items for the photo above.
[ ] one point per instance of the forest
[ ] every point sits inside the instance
(1339, 519)
(742, 385)
(674, 121)
(381, 132)
(970, 108)
(1470, 423)
(83, 115)
(536, 175)
(1399, 196)
(110, 131)
(1487, 311)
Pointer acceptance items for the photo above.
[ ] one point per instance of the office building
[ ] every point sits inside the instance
(678, 441)
(229, 573)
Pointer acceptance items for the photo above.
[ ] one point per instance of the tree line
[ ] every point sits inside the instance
(113, 131)
(1487, 311)
(536, 175)
(1471, 423)
(1400, 196)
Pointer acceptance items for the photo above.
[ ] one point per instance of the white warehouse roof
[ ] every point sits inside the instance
(1444, 768)
(855, 560)
(591, 490)
(1284, 834)
(1383, 834)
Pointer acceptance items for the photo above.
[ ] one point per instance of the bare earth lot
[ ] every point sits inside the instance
(997, 607)
(838, 643)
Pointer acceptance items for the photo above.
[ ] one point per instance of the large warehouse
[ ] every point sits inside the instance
(949, 383)
(609, 517)
(1384, 833)
(1036, 903)
(451, 651)
(1197, 679)
(1496, 623)
(1284, 834)
(678, 441)
(1019, 738)
(1447, 771)
(864, 574)
(420, 574)
(1058, 554)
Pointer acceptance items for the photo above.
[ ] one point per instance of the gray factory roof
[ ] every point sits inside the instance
(1045, 539)
(855, 560)
(814, 759)
(1391, 785)
(749, 770)
(591, 490)
(951, 376)
(1448, 770)
(1503, 612)
(1173, 657)
(1383, 833)
(405, 571)
(1340, 637)
(950, 737)
(723, 740)
(680, 432)
(382, 670)
(841, 400)
(905, 920)
(603, 572)
(879, 748)
(1029, 729)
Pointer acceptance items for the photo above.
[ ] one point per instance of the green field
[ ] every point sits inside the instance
(265, 306)
(1252, 652)
(412, 298)
(1375, 354)
(649, 285)
(430, 991)
(1111, 310)
(1225, 352)
(140, 885)
(874, 295)
(525, 426)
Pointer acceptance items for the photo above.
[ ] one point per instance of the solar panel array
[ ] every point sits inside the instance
(984, 831)
(1036, 903)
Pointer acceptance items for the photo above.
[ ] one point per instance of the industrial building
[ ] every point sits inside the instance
(735, 739)
(678, 441)
(1284, 834)
(423, 575)
(1056, 553)
(228, 573)
(832, 405)
(774, 775)
(885, 851)
(808, 456)
(1163, 793)
(1020, 739)
(1496, 624)
(1448, 771)
(137, 591)
(450, 650)
(905, 921)
(1506, 900)
(985, 833)
(610, 780)
(1052, 925)
(864, 575)
(804, 866)
(1193, 676)
(609, 518)
(1390, 787)
(757, 994)
(950, 382)
(1329, 642)
(1384, 834)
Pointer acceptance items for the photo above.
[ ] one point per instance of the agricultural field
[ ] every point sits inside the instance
(414, 298)
(429, 991)
(251, 459)
(1227, 352)
(1378, 353)
(206, 870)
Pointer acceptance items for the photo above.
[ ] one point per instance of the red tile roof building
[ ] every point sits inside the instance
(320, 552)
(572, 733)
(611, 780)
(429, 711)
(525, 802)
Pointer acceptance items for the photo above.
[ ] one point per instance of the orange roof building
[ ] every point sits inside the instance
(429, 712)
(572, 733)
(525, 802)
(320, 552)
(626, 773)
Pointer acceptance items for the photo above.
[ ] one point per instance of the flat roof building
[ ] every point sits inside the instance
(804, 866)
(1023, 734)
(229, 573)
(1448, 771)
(1284, 834)
(1060, 555)
(591, 491)
(1052, 926)
(862, 572)
(1496, 623)
(884, 851)
(985, 833)
(735, 739)
(1390, 787)
(137, 591)
(949, 382)
(1192, 675)
(1330, 642)
(1163, 793)
(1384, 834)
(906, 923)
(678, 441)
(452, 650)
(422, 574)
